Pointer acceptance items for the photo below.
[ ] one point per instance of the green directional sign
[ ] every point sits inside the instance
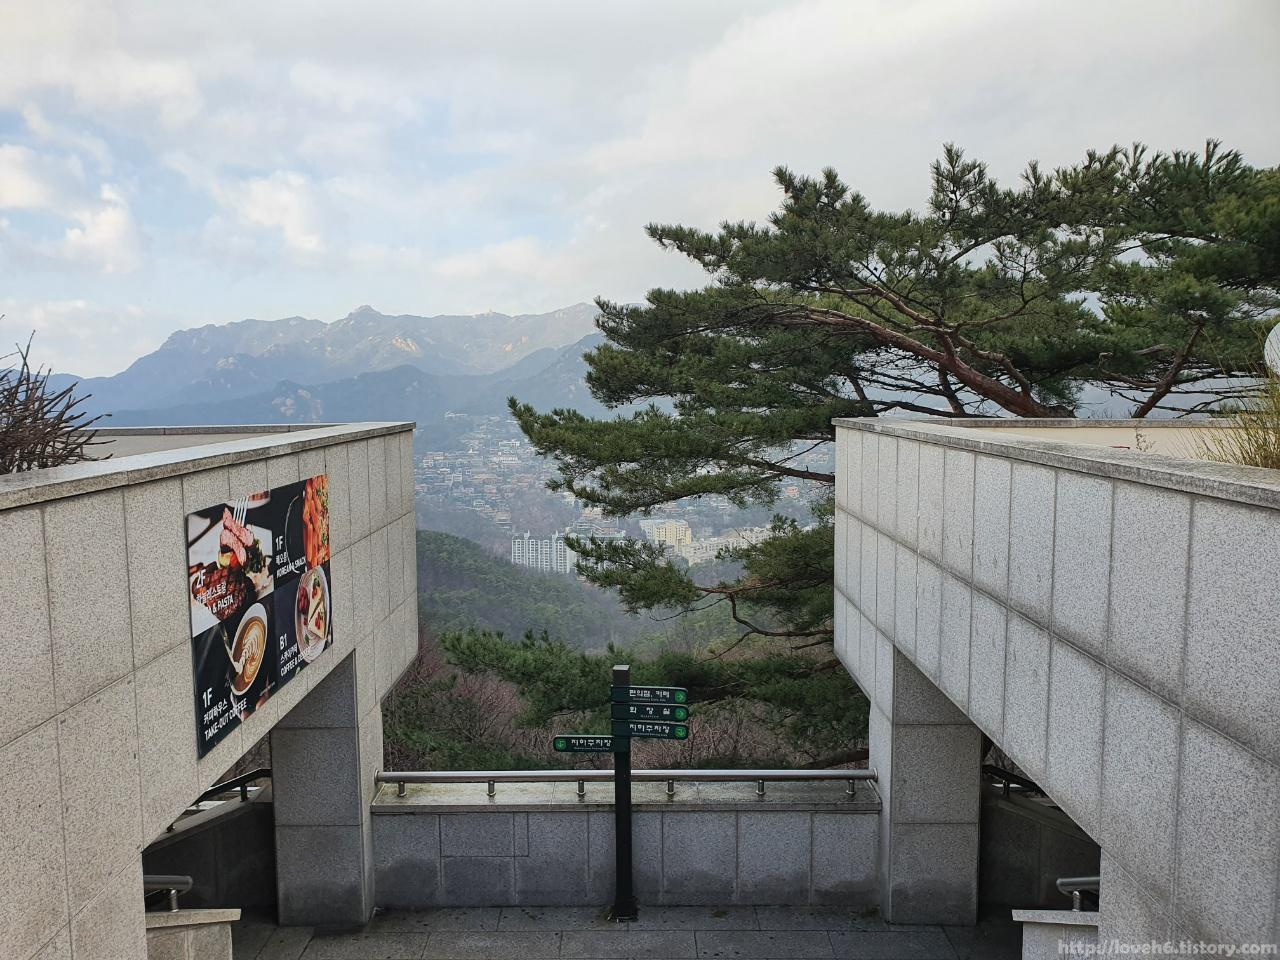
(649, 711)
(620, 694)
(583, 743)
(653, 730)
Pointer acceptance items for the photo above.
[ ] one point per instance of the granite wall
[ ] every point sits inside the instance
(97, 732)
(685, 855)
(1109, 618)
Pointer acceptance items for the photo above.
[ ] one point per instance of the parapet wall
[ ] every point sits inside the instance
(803, 844)
(97, 721)
(1108, 618)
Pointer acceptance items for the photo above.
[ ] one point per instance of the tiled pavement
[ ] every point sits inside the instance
(662, 933)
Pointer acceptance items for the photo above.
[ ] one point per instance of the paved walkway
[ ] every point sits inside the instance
(662, 933)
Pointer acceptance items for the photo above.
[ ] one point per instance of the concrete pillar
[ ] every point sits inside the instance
(324, 753)
(928, 757)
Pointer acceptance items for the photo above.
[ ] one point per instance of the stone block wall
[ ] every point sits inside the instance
(683, 855)
(1109, 618)
(97, 732)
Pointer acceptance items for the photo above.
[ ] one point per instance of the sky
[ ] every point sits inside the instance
(170, 165)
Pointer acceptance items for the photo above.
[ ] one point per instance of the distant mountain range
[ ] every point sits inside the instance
(401, 393)
(367, 366)
(235, 361)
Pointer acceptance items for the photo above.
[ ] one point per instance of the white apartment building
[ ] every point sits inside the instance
(702, 550)
(550, 553)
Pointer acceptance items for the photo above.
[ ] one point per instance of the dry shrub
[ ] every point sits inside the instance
(39, 427)
(1251, 436)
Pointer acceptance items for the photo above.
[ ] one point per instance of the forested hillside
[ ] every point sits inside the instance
(462, 585)
(509, 656)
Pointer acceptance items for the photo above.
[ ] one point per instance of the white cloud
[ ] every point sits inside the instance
(80, 51)
(25, 183)
(105, 237)
(283, 205)
(284, 202)
(75, 141)
(97, 232)
(78, 336)
(311, 155)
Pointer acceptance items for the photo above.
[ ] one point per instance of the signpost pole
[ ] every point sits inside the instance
(624, 899)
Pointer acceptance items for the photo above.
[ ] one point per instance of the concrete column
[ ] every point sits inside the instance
(928, 758)
(324, 753)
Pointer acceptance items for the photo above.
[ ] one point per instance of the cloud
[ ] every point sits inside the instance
(76, 142)
(283, 202)
(105, 237)
(237, 160)
(82, 53)
(283, 206)
(97, 231)
(78, 336)
(25, 183)
(520, 257)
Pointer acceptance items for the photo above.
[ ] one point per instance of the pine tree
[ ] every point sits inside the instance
(1143, 274)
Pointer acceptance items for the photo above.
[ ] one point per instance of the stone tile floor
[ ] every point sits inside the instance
(661, 933)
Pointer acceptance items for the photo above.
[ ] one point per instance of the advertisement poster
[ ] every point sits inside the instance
(258, 573)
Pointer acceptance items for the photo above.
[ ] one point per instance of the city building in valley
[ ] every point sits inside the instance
(550, 553)
(667, 532)
(703, 549)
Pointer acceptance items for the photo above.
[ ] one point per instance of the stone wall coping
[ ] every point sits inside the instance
(190, 918)
(1252, 485)
(1059, 918)
(254, 443)
(197, 429)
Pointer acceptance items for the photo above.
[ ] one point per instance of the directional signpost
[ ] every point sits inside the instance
(652, 712)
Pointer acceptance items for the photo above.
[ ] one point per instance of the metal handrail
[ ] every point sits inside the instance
(582, 777)
(240, 783)
(1008, 778)
(1075, 886)
(173, 883)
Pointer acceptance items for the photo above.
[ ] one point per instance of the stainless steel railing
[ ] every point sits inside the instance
(240, 783)
(493, 777)
(173, 884)
(1076, 887)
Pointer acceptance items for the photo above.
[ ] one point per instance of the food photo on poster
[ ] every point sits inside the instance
(261, 608)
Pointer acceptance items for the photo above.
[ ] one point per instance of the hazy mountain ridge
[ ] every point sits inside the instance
(224, 362)
(546, 378)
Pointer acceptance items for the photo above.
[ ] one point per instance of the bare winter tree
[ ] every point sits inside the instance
(39, 426)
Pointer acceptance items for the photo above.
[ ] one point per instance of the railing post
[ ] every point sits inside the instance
(582, 789)
(671, 788)
(493, 788)
(401, 789)
(759, 789)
